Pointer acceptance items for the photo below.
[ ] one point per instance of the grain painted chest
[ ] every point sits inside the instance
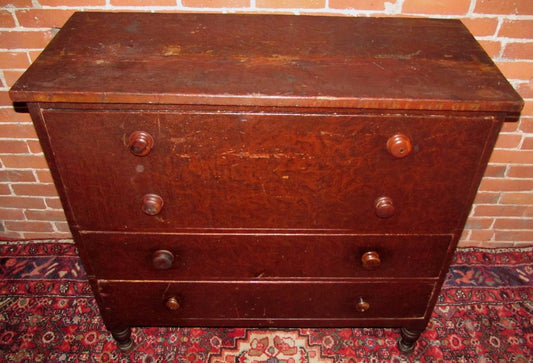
(265, 170)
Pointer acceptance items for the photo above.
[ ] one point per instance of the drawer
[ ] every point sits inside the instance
(227, 303)
(219, 256)
(260, 170)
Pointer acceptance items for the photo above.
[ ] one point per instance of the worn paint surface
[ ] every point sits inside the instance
(267, 60)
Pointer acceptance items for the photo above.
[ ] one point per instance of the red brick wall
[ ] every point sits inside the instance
(503, 211)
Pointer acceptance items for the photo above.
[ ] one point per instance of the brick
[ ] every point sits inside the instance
(16, 176)
(143, 2)
(32, 226)
(62, 227)
(34, 146)
(519, 7)
(499, 210)
(513, 223)
(520, 171)
(518, 51)
(45, 235)
(358, 5)
(8, 114)
(11, 76)
(18, 131)
(6, 19)
(526, 125)
(13, 147)
(510, 126)
(44, 176)
(495, 171)
(528, 108)
(516, 70)
(4, 97)
(45, 215)
(25, 39)
(4, 189)
(216, 3)
(24, 161)
(513, 235)
(511, 156)
(11, 214)
(43, 18)
(492, 48)
(291, 4)
(528, 143)
(77, 3)
(481, 235)
(499, 244)
(10, 234)
(508, 141)
(526, 89)
(441, 7)
(53, 203)
(15, 4)
(516, 29)
(14, 60)
(34, 189)
(479, 223)
(517, 198)
(481, 27)
(506, 184)
(34, 54)
(22, 202)
(486, 197)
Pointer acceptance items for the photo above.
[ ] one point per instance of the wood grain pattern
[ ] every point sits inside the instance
(264, 60)
(283, 171)
(263, 256)
(239, 170)
(235, 303)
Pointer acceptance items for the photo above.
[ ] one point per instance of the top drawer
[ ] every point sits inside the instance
(367, 173)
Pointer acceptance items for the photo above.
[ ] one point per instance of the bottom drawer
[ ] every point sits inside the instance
(265, 303)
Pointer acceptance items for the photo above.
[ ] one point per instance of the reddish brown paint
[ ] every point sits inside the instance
(261, 170)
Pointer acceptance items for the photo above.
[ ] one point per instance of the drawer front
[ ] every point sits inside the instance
(224, 170)
(172, 303)
(193, 257)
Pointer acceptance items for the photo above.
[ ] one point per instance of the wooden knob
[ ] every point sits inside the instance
(384, 207)
(162, 259)
(172, 303)
(152, 204)
(371, 260)
(362, 305)
(141, 143)
(399, 145)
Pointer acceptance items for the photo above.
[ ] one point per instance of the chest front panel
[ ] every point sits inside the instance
(261, 170)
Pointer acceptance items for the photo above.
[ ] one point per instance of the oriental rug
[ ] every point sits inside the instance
(47, 314)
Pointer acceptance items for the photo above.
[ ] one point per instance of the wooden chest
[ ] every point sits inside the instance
(265, 170)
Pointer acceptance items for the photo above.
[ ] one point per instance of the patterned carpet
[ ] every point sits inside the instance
(48, 314)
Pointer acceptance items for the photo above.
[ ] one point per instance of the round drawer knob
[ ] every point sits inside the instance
(162, 259)
(362, 305)
(140, 143)
(399, 145)
(371, 260)
(172, 303)
(152, 204)
(384, 207)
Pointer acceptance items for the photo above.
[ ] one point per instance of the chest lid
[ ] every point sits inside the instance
(267, 60)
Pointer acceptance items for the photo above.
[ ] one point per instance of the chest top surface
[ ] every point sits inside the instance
(267, 60)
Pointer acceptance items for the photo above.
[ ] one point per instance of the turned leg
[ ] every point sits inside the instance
(123, 338)
(408, 340)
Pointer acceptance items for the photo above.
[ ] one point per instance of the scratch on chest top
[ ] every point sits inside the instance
(171, 50)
